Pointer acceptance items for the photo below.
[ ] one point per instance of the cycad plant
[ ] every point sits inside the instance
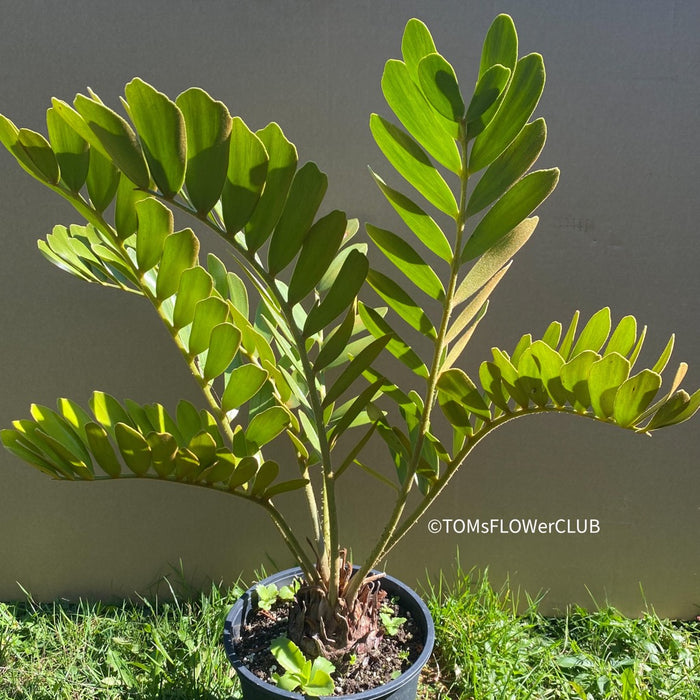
(288, 346)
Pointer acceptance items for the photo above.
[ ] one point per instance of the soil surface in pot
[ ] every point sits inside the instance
(396, 653)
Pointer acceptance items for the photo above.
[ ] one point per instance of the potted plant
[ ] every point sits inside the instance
(294, 347)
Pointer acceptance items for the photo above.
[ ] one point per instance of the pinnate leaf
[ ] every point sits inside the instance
(412, 163)
(305, 196)
(319, 248)
(341, 294)
(161, 129)
(71, 149)
(154, 224)
(397, 298)
(280, 170)
(425, 228)
(518, 104)
(408, 261)
(439, 84)
(634, 396)
(409, 105)
(180, 251)
(242, 384)
(510, 210)
(248, 168)
(208, 129)
(117, 138)
(509, 167)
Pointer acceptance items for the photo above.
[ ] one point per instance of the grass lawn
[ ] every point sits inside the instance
(485, 651)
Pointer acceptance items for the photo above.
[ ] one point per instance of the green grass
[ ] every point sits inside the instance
(486, 651)
(127, 651)
(171, 650)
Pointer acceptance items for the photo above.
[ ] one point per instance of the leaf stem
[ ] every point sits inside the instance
(380, 548)
(329, 519)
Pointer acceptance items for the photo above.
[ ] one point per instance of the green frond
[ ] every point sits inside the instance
(146, 441)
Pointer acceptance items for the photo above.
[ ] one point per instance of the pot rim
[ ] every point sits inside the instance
(372, 693)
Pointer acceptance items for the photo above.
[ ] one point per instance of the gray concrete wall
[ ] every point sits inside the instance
(622, 105)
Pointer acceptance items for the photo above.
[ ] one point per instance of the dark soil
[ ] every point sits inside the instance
(396, 654)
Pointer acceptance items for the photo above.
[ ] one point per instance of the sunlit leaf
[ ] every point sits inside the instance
(568, 340)
(413, 164)
(439, 84)
(408, 261)
(71, 150)
(517, 106)
(39, 155)
(102, 180)
(208, 313)
(242, 384)
(280, 172)
(319, 248)
(486, 267)
(500, 45)
(305, 196)
(163, 450)
(284, 487)
(266, 475)
(488, 89)
(266, 426)
(224, 342)
(76, 122)
(677, 409)
(594, 333)
(531, 381)
(509, 167)
(108, 411)
(244, 472)
(427, 231)
(510, 376)
(54, 425)
(248, 168)
(415, 44)
(604, 378)
(17, 443)
(154, 224)
(133, 448)
(408, 103)
(574, 378)
(180, 251)
(623, 337)
(473, 307)
(634, 396)
(549, 363)
(117, 138)
(457, 386)
(510, 210)
(399, 348)
(161, 129)
(397, 298)
(203, 446)
(125, 215)
(461, 341)
(208, 128)
(665, 356)
(341, 293)
(491, 380)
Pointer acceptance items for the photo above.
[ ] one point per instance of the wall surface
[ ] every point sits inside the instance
(622, 103)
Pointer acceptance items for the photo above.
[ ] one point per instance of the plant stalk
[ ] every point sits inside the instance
(380, 550)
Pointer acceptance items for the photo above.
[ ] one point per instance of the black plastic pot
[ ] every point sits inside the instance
(402, 688)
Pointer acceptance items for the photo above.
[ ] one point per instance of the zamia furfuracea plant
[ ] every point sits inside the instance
(284, 336)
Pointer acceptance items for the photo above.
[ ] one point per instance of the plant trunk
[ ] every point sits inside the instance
(335, 631)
